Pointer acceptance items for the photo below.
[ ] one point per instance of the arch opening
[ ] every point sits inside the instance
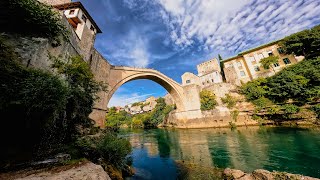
(123, 77)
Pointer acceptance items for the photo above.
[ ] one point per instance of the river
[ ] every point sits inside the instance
(293, 150)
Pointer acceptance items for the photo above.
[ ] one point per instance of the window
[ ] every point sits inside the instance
(91, 28)
(212, 80)
(239, 64)
(256, 68)
(202, 83)
(188, 81)
(280, 50)
(84, 18)
(71, 11)
(242, 73)
(270, 53)
(208, 82)
(286, 61)
(276, 65)
(261, 56)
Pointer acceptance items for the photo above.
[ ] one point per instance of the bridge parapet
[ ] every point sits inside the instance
(148, 70)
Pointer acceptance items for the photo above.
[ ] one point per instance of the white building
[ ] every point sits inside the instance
(78, 17)
(209, 73)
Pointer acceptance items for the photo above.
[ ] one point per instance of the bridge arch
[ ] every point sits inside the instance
(121, 75)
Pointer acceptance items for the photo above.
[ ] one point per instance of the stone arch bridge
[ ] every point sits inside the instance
(186, 98)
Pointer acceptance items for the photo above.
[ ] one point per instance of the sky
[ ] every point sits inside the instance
(173, 36)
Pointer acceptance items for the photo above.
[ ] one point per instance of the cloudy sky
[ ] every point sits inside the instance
(173, 36)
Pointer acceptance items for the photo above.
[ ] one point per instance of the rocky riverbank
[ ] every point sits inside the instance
(193, 171)
(260, 174)
(81, 170)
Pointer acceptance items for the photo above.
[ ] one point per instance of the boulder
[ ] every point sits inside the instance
(233, 173)
(261, 174)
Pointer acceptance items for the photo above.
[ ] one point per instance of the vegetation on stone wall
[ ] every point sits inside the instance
(151, 119)
(229, 100)
(30, 17)
(207, 100)
(48, 113)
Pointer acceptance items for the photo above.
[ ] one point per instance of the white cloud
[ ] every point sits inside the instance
(125, 99)
(234, 25)
(131, 50)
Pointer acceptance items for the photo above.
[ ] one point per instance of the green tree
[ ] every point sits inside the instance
(37, 19)
(255, 89)
(305, 43)
(269, 62)
(287, 85)
(115, 119)
(207, 100)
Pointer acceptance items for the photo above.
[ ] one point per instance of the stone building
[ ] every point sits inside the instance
(209, 73)
(246, 66)
(83, 25)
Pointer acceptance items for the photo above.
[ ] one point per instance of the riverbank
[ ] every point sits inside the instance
(243, 121)
(193, 171)
(80, 170)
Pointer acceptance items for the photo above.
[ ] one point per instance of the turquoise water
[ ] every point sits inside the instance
(293, 150)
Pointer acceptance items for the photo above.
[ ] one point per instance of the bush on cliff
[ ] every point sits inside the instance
(159, 114)
(44, 108)
(33, 102)
(207, 100)
(30, 17)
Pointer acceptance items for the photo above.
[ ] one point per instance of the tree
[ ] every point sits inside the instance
(207, 100)
(269, 62)
(222, 68)
(305, 43)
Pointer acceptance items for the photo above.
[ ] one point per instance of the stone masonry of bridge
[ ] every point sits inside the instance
(186, 98)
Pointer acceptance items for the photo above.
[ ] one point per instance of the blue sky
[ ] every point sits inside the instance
(173, 36)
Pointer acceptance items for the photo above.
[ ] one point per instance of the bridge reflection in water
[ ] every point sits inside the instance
(280, 149)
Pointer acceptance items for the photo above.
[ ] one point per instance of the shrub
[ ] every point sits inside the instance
(229, 100)
(207, 100)
(234, 115)
(290, 109)
(316, 109)
(109, 147)
(137, 123)
(273, 110)
(159, 114)
(116, 119)
(262, 102)
(31, 17)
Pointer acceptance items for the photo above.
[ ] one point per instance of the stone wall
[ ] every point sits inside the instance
(87, 42)
(55, 2)
(218, 117)
(208, 119)
(168, 99)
